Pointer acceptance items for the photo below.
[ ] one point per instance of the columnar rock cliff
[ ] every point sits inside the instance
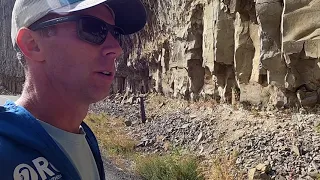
(262, 51)
(11, 73)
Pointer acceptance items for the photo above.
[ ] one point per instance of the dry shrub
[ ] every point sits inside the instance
(111, 134)
(224, 168)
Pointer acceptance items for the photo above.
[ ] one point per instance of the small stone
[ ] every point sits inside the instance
(263, 167)
(140, 144)
(284, 148)
(192, 116)
(264, 176)
(199, 137)
(251, 174)
(254, 174)
(267, 163)
(130, 100)
(185, 126)
(239, 161)
(169, 130)
(279, 177)
(314, 174)
(128, 122)
(303, 173)
(302, 111)
(315, 165)
(317, 158)
(161, 105)
(166, 146)
(161, 138)
(201, 149)
(296, 150)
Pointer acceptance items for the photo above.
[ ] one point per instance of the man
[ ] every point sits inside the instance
(68, 49)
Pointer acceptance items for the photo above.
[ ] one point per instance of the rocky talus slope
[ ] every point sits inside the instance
(269, 144)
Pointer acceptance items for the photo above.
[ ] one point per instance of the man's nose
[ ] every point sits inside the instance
(111, 46)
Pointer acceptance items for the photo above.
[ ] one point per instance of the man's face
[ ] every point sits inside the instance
(74, 67)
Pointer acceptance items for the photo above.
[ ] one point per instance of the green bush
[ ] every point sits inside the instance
(168, 168)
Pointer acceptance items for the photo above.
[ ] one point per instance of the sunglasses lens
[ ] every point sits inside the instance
(116, 33)
(96, 31)
(92, 30)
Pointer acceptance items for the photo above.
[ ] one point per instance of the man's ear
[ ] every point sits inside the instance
(27, 41)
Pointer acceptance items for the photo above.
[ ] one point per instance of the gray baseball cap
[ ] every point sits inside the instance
(130, 15)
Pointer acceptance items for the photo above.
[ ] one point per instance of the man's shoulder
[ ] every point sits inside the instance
(13, 152)
(2, 109)
(8, 112)
(9, 146)
(19, 161)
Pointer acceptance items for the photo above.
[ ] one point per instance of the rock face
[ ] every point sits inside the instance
(259, 51)
(264, 50)
(11, 72)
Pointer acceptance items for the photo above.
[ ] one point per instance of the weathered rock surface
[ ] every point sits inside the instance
(11, 72)
(265, 50)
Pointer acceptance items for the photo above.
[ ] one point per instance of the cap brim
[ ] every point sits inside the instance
(130, 15)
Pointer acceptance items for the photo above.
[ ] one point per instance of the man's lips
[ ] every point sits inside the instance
(106, 72)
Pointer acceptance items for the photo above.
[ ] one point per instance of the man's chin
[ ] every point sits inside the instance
(100, 97)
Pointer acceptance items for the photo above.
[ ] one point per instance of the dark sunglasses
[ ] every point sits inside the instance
(90, 29)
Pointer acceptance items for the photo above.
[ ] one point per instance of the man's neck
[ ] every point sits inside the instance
(52, 109)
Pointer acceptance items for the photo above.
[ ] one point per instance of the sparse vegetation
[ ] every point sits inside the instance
(113, 139)
(317, 128)
(224, 168)
(111, 134)
(169, 167)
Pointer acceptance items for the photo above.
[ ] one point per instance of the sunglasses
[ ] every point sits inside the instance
(89, 28)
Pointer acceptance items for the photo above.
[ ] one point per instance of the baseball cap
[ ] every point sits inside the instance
(130, 15)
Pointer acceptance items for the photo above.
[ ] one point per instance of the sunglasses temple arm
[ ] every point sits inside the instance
(53, 22)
